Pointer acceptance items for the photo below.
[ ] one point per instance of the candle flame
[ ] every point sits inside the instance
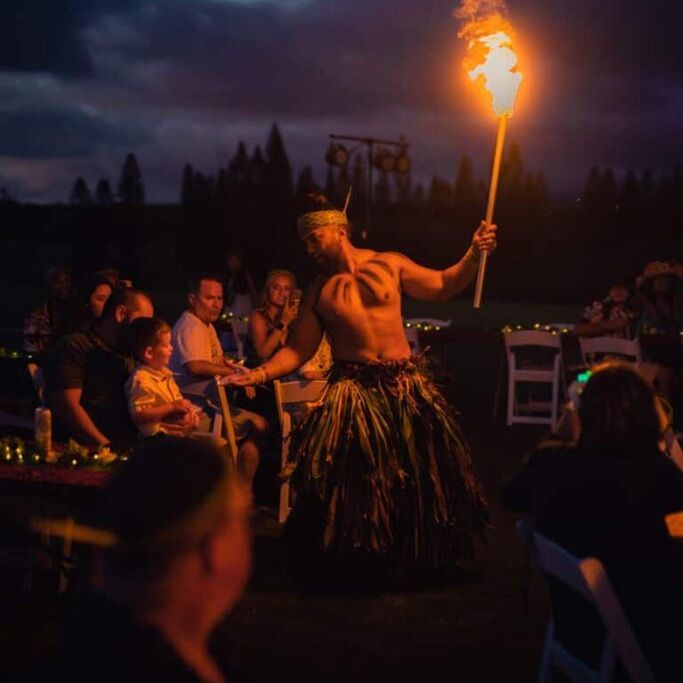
(490, 59)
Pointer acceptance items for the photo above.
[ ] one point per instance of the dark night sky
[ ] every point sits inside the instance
(82, 82)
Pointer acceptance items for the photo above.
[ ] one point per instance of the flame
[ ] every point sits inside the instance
(491, 59)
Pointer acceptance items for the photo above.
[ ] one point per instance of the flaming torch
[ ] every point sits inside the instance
(491, 61)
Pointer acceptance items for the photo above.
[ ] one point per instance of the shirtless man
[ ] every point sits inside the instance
(358, 299)
(357, 302)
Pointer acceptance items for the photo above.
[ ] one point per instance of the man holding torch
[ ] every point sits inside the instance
(386, 490)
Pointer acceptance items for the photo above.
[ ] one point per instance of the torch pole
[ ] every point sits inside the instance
(493, 189)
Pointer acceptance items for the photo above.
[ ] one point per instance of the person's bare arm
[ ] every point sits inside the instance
(303, 341)
(204, 368)
(266, 343)
(66, 404)
(147, 414)
(441, 285)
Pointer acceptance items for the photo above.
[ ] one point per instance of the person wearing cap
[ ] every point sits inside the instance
(176, 557)
(384, 479)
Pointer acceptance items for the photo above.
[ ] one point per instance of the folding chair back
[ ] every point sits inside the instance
(629, 349)
(544, 370)
(586, 577)
(288, 394)
(227, 425)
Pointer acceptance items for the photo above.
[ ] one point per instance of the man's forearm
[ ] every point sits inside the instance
(457, 277)
(80, 425)
(286, 360)
(203, 368)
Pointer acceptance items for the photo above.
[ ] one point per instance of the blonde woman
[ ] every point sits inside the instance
(269, 324)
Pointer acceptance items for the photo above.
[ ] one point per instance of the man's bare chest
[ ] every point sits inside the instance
(372, 286)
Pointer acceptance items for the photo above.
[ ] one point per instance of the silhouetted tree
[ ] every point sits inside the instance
(418, 198)
(403, 188)
(629, 194)
(279, 170)
(330, 184)
(305, 184)
(382, 192)
(131, 190)
(359, 181)
(592, 190)
(465, 189)
(80, 193)
(187, 195)
(258, 170)
(103, 192)
(440, 193)
(609, 193)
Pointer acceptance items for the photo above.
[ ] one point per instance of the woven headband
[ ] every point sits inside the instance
(321, 219)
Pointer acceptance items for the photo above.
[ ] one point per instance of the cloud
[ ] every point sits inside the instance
(180, 80)
(62, 133)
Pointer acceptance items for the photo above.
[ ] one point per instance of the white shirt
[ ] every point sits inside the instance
(193, 340)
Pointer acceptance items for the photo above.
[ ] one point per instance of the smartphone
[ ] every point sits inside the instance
(295, 297)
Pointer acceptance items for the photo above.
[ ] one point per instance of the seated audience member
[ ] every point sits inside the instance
(152, 393)
(198, 358)
(44, 325)
(269, 324)
(240, 290)
(607, 497)
(94, 295)
(660, 288)
(175, 557)
(319, 366)
(612, 316)
(85, 374)
(111, 274)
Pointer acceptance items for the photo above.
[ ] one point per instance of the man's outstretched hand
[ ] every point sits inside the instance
(242, 378)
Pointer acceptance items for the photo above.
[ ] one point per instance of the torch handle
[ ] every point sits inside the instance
(493, 190)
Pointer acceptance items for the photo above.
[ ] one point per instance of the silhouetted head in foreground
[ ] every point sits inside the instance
(618, 412)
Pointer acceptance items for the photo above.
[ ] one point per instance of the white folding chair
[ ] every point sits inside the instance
(629, 349)
(225, 423)
(533, 372)
(288, 394)
(587, 577)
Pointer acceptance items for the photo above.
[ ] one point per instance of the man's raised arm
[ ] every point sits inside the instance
(441, 285)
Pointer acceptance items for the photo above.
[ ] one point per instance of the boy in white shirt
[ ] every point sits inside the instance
(154, 399)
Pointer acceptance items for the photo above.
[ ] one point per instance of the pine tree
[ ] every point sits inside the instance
(103, 192)
(305, 184)
(80, 193)
(465, 189)
(592, 190)
(440, 193)
(258, 170)
(359, 180)
(330, 184)
(131, 190)
(629, 192)
(187, 195)
(278, 169)
(418, 198)
(609, 194)
(382, 193)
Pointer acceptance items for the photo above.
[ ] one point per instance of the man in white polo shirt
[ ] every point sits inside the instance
(198, 357)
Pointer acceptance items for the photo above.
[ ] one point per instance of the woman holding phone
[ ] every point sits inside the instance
(269, 324)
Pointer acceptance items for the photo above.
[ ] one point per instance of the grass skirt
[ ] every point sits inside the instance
(384, 479)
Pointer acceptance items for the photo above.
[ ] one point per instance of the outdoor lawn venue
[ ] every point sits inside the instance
(341, 341)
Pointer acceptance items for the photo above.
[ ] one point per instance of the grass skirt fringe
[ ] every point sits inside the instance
(383, 477)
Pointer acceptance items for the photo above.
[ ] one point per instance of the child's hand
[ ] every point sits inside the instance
(183, 405)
